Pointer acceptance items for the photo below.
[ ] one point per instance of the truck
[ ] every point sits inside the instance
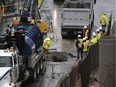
(75, 15)
(21, 53)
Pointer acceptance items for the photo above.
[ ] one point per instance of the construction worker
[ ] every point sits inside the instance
(79, 43)
(85, 46)
(94, 38)
(46, 45)
(86, 32)
(103, 22)
(98, 34)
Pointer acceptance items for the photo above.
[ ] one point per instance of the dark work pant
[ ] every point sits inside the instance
(103, 28)
(79, 53)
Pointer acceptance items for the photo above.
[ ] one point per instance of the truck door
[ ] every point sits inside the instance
(14, 70)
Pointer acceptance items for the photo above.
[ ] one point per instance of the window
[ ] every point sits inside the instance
(5, 61)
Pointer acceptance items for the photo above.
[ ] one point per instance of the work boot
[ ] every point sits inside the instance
(46, 58)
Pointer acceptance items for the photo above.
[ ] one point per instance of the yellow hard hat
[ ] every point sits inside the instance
(51, 37)
(32, 21)
(104, 13)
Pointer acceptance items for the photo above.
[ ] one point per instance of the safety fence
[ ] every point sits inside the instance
(94, 56)
(70, 79)
(90, 63)
(85, 70)
(82, 69)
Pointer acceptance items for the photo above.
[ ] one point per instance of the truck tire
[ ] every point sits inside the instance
(38, 69)
(41, 65)
(34, 74)
(63, 36)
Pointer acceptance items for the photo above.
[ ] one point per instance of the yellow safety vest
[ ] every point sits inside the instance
(46, 43)
(80, 43)
(94, 40)
(98, 36)
(85, 48)
(92, 37)
(88, 42)
(103, 20)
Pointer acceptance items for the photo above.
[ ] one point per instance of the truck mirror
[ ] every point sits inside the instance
(14, 74)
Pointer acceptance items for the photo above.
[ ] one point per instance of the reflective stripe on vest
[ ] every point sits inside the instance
(87, 41)
(86, 33)
(85, 46)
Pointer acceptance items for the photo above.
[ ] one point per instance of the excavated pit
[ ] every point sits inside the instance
(58, 56)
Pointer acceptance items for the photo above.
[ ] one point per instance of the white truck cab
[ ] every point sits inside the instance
(7, 62)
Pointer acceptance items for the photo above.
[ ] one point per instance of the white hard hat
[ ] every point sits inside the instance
(97, 30)
(94, 34)
(85, 27)
(79, 36)
(100, 28)
(84, 39)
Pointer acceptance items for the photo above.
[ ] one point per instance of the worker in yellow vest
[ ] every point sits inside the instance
(103, 21)
(94, 38)
(98, 34)
(46, 45)
(86, 32)
(79, 43)
(85, 47)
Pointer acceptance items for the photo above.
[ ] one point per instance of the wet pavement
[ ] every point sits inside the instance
(51, 12)
(54, 72)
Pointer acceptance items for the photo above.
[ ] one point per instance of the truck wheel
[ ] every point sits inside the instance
(62, 33)
(41, 64)
(34, 74)
(37, 69)
(63, 36)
